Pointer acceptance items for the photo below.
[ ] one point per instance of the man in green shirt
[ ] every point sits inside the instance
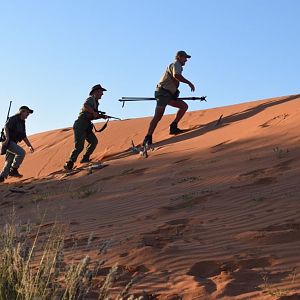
(83, 127)
(167, 92)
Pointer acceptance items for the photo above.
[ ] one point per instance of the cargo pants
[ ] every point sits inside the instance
(83, 131)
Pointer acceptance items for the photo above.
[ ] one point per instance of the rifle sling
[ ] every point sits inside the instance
(102, 128)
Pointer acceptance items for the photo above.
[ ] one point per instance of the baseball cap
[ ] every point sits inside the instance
(24, 107)
(182, 53)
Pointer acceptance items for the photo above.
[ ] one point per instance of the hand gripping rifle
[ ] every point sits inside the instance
(130, 99)
(2, 135)
(104, 116)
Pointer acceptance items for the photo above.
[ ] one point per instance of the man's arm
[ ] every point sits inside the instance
(180, 78)
(28, 144)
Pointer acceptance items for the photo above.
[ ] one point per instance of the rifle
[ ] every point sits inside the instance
(2, 135)
(129, 99)
(103, 114)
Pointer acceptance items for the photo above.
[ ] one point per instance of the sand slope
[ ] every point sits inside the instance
(211, 214)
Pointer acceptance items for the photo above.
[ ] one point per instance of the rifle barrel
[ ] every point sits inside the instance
(110, 117)
(127, 99)
(10, 102)
(136, 98)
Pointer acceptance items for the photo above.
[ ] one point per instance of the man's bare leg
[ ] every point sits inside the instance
(183, 107)
(159, 112)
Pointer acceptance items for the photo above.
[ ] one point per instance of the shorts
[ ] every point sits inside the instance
(163, 97)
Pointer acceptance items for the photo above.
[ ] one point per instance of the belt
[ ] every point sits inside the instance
(162, 88)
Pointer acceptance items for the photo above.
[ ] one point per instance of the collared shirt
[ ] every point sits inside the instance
(167, 81)
(93, 104)
(16, 128)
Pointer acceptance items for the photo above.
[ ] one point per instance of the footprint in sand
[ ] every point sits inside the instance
(4, 203)
(274, 121)
(264, 176)
(236, 276)
(186, 201)
(74, 223)
(165, 234)
(285, 165)
(274, 234)
(178, 222)
(134, 172)
(220, 147)
(181, 160)
(259, 176)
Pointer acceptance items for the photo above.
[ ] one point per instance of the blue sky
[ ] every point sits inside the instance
(52, 52)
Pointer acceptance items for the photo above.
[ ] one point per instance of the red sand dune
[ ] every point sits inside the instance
(211, 214)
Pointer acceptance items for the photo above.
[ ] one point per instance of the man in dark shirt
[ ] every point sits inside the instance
(15, 132)
(83, 127)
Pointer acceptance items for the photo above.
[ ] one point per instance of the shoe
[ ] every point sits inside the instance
(2, 179)
(174, 129)
(85, 159)
(147, 140)
(69, 165)
(14, 173)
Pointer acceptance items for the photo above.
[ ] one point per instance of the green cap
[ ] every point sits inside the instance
(182, 53)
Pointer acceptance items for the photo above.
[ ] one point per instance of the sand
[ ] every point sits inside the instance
(212, 213)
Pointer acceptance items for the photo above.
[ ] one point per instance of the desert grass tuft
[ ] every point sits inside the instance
(32, 266)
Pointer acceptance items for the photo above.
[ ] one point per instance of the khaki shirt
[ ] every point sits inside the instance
(93, 103)
(167, 81)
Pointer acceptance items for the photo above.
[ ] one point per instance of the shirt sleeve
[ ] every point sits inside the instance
(90, 102)
(10, 123)
(176, 68)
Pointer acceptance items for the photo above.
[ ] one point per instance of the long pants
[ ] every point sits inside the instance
(83, 131)
(13, 158)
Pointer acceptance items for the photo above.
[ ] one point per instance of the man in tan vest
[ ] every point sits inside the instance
(167, 92)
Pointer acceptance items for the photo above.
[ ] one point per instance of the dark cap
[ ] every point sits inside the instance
(26, 108)
(182, 53)
(97, 87)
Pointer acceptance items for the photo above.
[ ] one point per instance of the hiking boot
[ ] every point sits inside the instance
(2, 179)
(14, 173)
(85, 159)
(147, 140)
(174, 129)
(69, 165)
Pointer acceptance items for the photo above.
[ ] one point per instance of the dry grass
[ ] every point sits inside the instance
(33, 266)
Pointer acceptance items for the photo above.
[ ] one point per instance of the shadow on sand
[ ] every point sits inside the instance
(213, 125)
